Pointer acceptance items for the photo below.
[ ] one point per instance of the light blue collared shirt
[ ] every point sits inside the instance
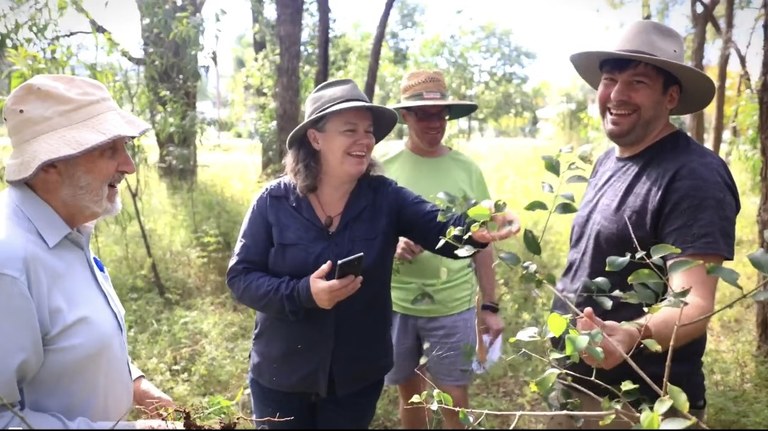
(63, 352)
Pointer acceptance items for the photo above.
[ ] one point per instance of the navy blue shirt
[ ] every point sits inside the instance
(298, 346)
(674, 192)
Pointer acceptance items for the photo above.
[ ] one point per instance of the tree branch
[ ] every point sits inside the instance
(98, 28)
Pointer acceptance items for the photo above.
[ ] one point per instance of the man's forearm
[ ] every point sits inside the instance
(486, 276)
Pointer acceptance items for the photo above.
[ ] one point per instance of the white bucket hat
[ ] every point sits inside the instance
(661, 46)
(54, 117)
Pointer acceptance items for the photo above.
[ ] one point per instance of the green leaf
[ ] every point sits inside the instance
(568, 196)
(536, 205)
(565, 208)
(681, 265)
(499, 206)
(547, 187)
(679, 398)
(602, 283)
(465, 418)
(416, 398)
(661, 250)
(575, 179)
(557, 324)
(652, 345)
(543, 383)
(662, 405)
(604, 302)
(628, 385)
(616, 263)
(760, 296)
(595, 352)
(728, 275)
(645, 294)
(510, 258)
(465, 251)
(531, 242)
(759, 260)
(644, 275)
(676, 423)
(479, 213)
(575, 343)
(552, 165)
(649, 420)
(530, 333)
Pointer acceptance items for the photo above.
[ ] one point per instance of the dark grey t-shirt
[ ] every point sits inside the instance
(674, 192)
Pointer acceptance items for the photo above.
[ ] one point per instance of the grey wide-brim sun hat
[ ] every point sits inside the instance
(661, 46)
(428, 88)
(338, 95)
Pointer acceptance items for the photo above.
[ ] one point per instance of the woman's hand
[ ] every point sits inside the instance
(507, 224)
(328, 293)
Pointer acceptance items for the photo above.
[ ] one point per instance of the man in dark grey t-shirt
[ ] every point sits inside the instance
(655, 186)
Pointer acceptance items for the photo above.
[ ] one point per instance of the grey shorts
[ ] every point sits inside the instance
(446, 344)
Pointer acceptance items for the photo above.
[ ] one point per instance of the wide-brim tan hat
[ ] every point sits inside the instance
(55, 117)
(661, 46)
(338, 95)
(427, 88)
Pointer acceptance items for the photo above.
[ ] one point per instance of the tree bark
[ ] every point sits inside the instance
(323, 30)
(722, 69)
(289, 14)
(373, 63)
(699, 20)
(761, 318)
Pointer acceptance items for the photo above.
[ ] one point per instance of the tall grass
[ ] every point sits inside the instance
(194, 343)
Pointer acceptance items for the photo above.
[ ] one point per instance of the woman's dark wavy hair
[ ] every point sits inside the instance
(302, 163)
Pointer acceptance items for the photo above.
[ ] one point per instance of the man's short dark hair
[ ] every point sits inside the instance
(618, 65)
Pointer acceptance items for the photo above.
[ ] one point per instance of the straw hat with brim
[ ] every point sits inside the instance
(661, 46)
(335, 96)
(55, 117)
(427, 88)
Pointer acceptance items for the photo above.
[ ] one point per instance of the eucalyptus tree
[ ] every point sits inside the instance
(484, 64)
(378, 40)
(172, 34)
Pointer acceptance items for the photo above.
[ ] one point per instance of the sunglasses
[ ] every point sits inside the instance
(420, 115)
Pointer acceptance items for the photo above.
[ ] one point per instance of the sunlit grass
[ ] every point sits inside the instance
(195, 345)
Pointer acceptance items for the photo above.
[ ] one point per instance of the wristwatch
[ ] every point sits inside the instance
(490, 306)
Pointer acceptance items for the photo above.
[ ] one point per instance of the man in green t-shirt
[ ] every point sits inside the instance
(433, 298)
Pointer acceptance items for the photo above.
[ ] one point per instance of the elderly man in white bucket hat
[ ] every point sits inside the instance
(655, 186)
(64, 361)
(435, 315)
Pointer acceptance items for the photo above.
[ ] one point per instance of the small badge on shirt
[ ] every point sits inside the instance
(99, 264)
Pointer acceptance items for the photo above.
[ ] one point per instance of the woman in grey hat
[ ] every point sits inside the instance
(322, 345)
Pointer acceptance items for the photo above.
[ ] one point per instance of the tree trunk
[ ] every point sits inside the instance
(323, 30)
(722, 69)
(289, 14)
(257, 20)
(761, 319)
(699, 20)
(373, 63)
(171, 74)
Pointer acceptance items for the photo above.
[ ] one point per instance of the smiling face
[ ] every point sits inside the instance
(426, 129)
(634, 106)
(345, 141)
(88, 186)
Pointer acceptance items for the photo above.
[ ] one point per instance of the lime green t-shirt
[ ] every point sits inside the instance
(432, 285)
